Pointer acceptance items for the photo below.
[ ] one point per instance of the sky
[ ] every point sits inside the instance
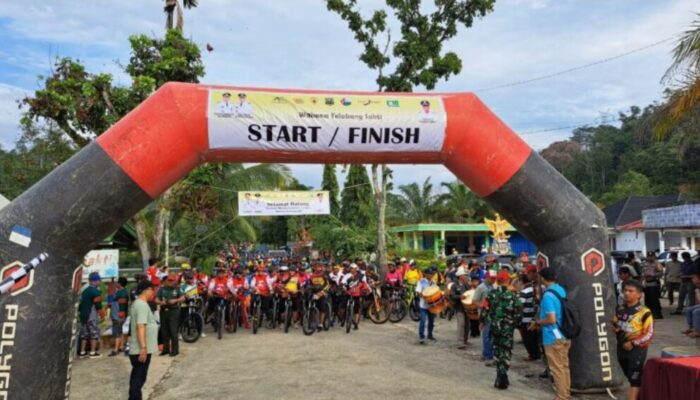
(299, 44)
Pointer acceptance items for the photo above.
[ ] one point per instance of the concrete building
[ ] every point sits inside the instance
(462, 238)
(628, 231)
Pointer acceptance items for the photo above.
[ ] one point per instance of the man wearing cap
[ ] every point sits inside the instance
(503, 309)
(460, 286)
(425, 115)
(480, 294)
(169, 298)
(144, 338)
(425, 314)
(89, 309)
(243, 108)
(225, 107)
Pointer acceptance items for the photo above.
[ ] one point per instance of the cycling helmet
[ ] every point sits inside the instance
(284, 268)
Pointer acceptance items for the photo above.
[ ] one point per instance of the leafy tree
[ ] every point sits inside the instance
(631, 184)
(84, 105)
(459, 204)
(356, 204)
(417, 57)
(330, 183)
(419, 202)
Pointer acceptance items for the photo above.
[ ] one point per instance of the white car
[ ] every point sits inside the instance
(666, 255)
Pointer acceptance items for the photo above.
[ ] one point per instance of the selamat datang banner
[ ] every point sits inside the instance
(325, 122)
(283, 203)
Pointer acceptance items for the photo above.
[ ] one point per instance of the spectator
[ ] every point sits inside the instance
(480, 295)
(425, 314)
(651, 272)
(456, 292)
(687, 287)
(529, 296)
(673, 276)
(119, 308)
(693, 312)
(90, 308)
(625, 275)
(144, 338)
(634, 327)
(556, 345)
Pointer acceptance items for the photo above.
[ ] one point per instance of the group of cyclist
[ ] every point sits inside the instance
(240, 285)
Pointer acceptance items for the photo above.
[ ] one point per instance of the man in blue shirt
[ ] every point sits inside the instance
(556, 345)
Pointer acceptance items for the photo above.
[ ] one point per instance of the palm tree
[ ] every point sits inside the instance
(172, 9)
(418, 202)
(684, 77)
(459, 204)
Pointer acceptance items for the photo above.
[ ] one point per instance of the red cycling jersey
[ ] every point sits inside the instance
(221, 287)
(394, 278)
(357, 287)
(262, 284)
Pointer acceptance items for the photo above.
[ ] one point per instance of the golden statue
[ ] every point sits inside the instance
(498, 227)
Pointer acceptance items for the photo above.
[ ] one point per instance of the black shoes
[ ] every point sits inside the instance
(502, 382)
(164, 353)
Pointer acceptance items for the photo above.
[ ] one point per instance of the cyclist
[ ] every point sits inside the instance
(357, 288)
(220, 288)
(261, 285)
(318, 284)
(289, 286)
(393, 280)
(412, 276)
(241, 289)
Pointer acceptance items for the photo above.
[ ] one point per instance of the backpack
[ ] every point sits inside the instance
(570, 321)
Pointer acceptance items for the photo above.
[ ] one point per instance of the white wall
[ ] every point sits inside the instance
(629, 240)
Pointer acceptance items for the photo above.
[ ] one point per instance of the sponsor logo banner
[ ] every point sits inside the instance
(104, 262)
(593, 262)
(283, 203)
(325, 122)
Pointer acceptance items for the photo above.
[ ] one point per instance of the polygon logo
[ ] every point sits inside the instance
(593, 262)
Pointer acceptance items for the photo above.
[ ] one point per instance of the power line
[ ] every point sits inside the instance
(573, 69)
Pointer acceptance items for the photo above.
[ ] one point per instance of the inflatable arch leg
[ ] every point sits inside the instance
(92, 194)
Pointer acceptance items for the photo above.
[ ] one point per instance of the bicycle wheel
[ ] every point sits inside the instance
(397, 310)
(349, 311)
(413, 311)
(275, 314)
(221, 317)
(379, 315)
(327, 321)
(287, 316)
(257, 317)
(191, 328)
(235, 317)
(308, 324)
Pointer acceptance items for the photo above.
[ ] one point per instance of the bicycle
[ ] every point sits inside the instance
(192, 323)
(413, 303)
(236, 308)
(256, 313)
(287, 317)
(349, 312)
(220, 317)
(272, 322)
(311, 318)
(378, 308)
(397, 304)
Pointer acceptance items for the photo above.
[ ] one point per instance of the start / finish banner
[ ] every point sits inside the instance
(325, 122)
(284, 203)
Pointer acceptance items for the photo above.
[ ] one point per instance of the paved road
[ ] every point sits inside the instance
(375, 362)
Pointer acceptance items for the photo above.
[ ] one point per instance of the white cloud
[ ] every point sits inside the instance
(9, 114)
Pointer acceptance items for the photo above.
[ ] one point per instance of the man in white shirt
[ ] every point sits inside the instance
(425, 115)
(225, 107)
(243, 108)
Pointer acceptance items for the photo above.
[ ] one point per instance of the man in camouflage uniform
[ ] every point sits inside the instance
(503, 312)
